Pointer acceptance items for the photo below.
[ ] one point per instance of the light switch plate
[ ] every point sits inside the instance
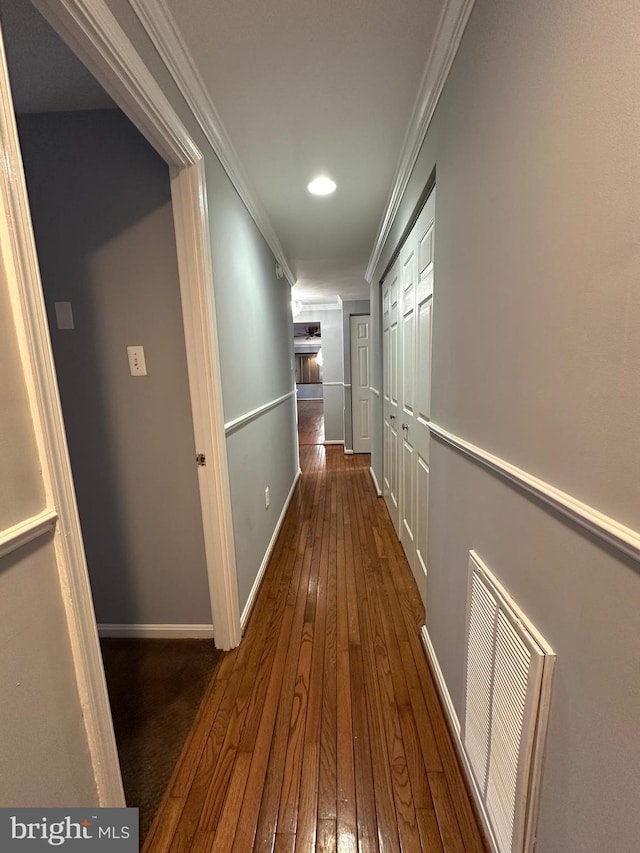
(64, 315)
(137, 364)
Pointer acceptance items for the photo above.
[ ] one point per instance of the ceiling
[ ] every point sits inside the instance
(302, 87)
(315, 86)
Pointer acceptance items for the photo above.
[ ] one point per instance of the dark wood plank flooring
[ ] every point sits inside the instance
(323, 730)
(310, 422)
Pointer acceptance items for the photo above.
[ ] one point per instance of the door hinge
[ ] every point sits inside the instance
(201, 460)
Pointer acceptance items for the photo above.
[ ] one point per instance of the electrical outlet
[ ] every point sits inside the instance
(266, 498)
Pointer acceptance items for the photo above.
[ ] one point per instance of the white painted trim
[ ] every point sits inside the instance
(19, 534)
(454, 728)
(346, 385)
(348, 451)
(453, 20)
(375, 482)
(246, 613)
(339, 441)
(340, 384)
(597, 523)
(233, 425)
(19, 256)
(157, 632)
(163, 31)
(374, 390)
(191, 217)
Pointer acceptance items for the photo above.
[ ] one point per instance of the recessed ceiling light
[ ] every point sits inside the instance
(322, 186)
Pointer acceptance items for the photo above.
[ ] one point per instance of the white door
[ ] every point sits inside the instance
(423, 313)
(391, 424)
(408, 266)
(360, 393)
(407, 298)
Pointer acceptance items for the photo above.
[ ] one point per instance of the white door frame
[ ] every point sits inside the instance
(94, 35)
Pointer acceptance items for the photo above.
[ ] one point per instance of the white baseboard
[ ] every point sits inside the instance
(158, 632)
(375, 482)
(244, 618)
(341, 441)
(454, 727)
(348, 451)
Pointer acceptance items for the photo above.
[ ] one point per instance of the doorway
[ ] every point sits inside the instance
(307, 344)
(100, 201)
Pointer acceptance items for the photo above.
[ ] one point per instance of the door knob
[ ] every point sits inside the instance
(405, 426)
(392, 417)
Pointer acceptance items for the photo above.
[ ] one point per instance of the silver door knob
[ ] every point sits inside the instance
(405, 426)
(392, 417)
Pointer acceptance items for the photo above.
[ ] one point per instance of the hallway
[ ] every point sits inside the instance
(323, 730)
(310, 422)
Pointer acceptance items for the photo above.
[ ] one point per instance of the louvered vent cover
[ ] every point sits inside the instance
(508, 671)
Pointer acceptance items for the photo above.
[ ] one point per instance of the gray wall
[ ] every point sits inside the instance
(101, 207)
(349, 309)
(43, 746)
(535, 359)
(245, 287)
(332, 368)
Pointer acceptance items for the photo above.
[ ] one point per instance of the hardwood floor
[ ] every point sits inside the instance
(310, 422)
(323, 730)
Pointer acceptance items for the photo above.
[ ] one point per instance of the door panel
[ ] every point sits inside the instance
(390, 395)
(407, 306)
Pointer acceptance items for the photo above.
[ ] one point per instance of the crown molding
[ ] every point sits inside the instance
(163, 31)
(451, 26)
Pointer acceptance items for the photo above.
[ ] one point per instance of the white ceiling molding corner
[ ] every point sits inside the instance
(451, 26)
(161, 28)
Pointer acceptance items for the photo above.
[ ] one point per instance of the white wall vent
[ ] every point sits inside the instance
(507, 692)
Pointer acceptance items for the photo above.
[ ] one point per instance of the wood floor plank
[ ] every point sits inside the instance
(429, 831)
(324, 730)
(445, 814)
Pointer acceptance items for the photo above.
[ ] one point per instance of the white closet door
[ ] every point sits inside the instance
(424, 305)
(391, 425)
(407, 307)
(408, 267)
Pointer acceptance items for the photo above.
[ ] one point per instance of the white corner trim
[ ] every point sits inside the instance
(453, 20)
(455, 729)
(163, 31)
(348, 451)
(157, 632)
(267, 556)
(19, 534)
(338, 441)
(603, 526)
(375, 482)
(233, 425)
(346, 385)
(374, 390)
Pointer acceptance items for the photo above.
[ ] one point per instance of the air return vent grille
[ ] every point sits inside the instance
(507, 684)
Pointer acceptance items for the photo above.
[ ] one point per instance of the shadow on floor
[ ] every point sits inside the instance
(155, 689)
